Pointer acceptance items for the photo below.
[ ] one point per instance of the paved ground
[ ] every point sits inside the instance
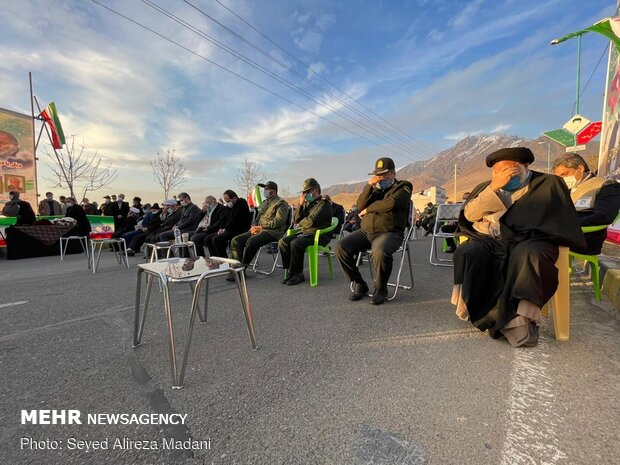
(333, 382)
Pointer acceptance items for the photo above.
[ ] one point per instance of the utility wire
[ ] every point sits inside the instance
(137, 23)
(414, 141)
(590, 78)
(274, 76)
(312, 83)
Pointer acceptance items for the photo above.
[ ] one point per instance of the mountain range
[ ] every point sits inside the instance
(469, 157)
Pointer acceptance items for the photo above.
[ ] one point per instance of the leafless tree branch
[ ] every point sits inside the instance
(248, 176)
(169, 172)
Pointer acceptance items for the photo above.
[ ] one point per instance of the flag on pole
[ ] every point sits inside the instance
(609, 27)
(254, 198)
(50, 115)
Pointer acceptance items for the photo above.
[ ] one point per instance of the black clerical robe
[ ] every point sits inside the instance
(496, 274)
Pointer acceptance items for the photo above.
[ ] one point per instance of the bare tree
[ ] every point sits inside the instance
(169, 172)
(72, 167)
(248, 176)
(285, 192)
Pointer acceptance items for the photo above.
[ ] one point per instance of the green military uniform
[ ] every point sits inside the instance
(273, 216)
(310, 217)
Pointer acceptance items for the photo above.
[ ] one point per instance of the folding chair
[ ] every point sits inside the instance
(275, 256)
(315, 250)
(445, 213)
(404, 249)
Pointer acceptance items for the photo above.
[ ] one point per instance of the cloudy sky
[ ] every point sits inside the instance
(334, 84)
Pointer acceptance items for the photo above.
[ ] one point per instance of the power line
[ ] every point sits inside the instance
(137, 23)
(313, 84)
(590, 78)
(274, 76)
(414, 141)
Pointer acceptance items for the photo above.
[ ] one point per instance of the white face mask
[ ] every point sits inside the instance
(170, 210)
(230, 204)
(69, 204)
(570, 181)
(184, 203)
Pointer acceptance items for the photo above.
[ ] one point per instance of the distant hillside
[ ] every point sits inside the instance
(469, 155)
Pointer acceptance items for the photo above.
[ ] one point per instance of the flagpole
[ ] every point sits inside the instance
(36, 179)
(578, 77)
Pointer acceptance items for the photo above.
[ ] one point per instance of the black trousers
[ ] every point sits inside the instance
(199, 241)
(488, 277)
(293, 248)
(216, 243)
(245, 246)
(449, 228)
(382, 246)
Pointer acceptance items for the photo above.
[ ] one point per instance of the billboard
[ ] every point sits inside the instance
(17, 162)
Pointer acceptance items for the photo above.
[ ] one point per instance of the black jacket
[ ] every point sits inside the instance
(386, 210)
(239, 220)
(338, 212)
(77, 213)
(219, 216)
(190, 217)
(604, 211)
(313, 216)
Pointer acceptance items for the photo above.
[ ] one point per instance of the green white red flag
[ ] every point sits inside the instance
(255, 198)
(50, 115)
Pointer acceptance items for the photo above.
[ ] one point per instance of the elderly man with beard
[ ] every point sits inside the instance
(506, 271)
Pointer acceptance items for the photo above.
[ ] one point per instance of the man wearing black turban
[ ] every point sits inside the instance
(515, 222)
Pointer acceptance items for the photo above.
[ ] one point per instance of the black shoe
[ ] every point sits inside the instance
(285, 280)
(378, 298)
(359, 291)
(426, 233)
(296, 279)
(450, 249)
(532, 338)
(230, 278)
(130, 252)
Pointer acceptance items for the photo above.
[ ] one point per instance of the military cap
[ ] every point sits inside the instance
(309, 183)
(383, 165)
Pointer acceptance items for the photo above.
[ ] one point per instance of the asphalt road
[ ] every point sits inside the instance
(333, 382)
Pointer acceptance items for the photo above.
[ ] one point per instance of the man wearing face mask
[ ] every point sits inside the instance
(314, 213)
(189, 219)
(384, 206)
(20, 209)
(597, 200)
(150, 222)
(270, 225)
(77, 213)
(515, 222)
(213, 211)
(106, 208)
(119, 210)
(168, 218)
(235, 221)
(49, 206)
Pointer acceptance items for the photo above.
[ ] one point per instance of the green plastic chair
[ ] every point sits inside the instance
(314, 250)
(595, 267)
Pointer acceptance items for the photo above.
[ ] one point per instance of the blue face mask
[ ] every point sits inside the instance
(514, 184)
(266, 194)
(309, 197)
(385, 183)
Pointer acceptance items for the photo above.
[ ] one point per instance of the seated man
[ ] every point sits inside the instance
(352, 221)
(150, 222)
(313, 213)
(207, 225)
(597, 200)
(428, 218)
(236, 221)
(384, 208)
(77, 213)
(189, 219)
(270, 225)
(515, 222)
(130, 223)
(20, 209)
(169, 217)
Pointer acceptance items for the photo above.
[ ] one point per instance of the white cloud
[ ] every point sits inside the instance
(466, 16)
(309, 37)
(500, 128)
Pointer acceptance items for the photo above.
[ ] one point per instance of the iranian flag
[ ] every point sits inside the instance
(609, 27)
(254, 198)
(50, 115)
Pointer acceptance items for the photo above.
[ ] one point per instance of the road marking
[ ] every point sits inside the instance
(531, 436)
(12, 304)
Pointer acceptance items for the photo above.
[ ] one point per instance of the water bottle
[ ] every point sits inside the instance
(177, 235)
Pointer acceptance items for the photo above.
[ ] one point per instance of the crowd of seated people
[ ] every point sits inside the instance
(503, 274)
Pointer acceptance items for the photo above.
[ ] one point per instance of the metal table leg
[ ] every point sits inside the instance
(247, 309)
